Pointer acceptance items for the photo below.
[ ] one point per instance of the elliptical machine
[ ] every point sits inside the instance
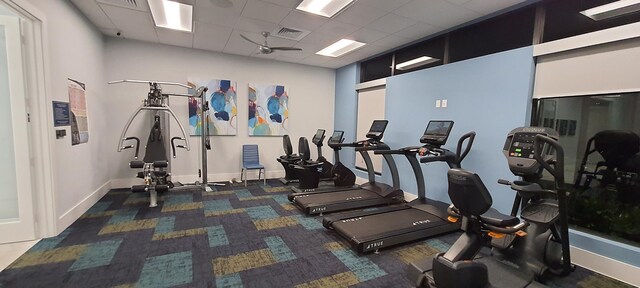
(524, 250)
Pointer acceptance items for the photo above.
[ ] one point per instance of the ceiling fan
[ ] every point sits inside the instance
(265, 48)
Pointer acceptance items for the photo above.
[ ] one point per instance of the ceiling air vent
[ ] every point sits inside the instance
(294, 34)
(131, 4)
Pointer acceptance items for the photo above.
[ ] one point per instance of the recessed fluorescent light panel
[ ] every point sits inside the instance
(326, 8)
(424, 60)
(340, 48)
(612, 9)
(172, 15)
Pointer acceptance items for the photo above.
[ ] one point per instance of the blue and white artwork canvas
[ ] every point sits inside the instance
(268, 110)
(223, 108)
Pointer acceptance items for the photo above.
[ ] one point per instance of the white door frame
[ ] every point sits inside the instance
(39, 104)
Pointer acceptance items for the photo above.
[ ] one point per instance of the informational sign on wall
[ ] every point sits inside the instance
(61, 114)
(78, 105)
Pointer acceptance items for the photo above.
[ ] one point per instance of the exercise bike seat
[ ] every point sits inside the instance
(495, 218)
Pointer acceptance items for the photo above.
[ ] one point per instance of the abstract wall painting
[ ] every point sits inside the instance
(78, 106)
(268, 110)
(223, 108)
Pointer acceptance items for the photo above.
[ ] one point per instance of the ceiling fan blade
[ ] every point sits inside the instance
(245, 38)
(286, 48)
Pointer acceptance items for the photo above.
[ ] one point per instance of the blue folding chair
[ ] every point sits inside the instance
(251, 161)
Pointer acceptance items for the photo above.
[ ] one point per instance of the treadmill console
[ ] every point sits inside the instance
(336, 137)
(377, 129)
(317, 139)
(519, 146)
(437, 133)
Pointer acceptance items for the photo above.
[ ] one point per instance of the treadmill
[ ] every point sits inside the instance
(368, 194)
(369, 231)
(343, 178)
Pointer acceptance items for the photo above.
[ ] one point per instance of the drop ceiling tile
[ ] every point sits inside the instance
(205, 11)
(319, 38)
(292, 4)
(265, 11)
(418, 31)
(173, 37)
(439, 13)
(337, 29)
(367, 35)
(315, 60)
(131, 23)
(255, 25)
(94, 13)
(360, 14)
(141, 6)
(391, 41)
(302, 20)
(387, 5)
(459, 2)
(210, 37)
(391, 23)
(239, 46)
(489, 6)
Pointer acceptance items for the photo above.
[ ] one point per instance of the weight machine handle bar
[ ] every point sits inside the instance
(149, 82)
(165, 109)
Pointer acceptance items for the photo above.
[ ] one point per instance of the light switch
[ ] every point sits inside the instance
(438, 103)
(444, 103)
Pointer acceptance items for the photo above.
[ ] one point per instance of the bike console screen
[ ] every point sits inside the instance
(336, 137)
(437, 132)
(377, 129)
(318, 137)
(522, 145)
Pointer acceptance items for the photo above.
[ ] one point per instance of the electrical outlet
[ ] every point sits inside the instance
(444, 103)
(438, 103)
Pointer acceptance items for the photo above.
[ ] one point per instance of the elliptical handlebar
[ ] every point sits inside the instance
(558, 170)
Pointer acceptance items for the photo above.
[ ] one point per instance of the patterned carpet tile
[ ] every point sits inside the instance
(235, 236)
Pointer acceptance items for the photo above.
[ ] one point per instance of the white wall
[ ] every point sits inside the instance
(76, 51)
(311, 104)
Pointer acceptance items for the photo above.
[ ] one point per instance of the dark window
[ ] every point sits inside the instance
(599, 135)
(504, 32)
(376, 68)
(563, 19)
(433, 48)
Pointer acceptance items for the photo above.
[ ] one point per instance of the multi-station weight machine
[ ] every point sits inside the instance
(155, 163)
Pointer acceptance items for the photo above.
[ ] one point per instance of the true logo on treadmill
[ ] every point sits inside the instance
(421, 222)
(318, 209)
(351, 220)
(354, 198)
(374, 245)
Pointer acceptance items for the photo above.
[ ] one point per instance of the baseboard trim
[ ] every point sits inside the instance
(73, 214)
(606, 266)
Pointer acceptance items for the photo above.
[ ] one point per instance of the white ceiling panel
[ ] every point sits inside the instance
(291, 4)
(176, 38)
(387, 5)
(391, 23)
(302, 20)
(489, 6)
(237, 45)
(382, 24)
(367, 35)
(391, 41)
(94, 12)
(418, 31)
(439, 13)
(360, 14)
(210, 37)
(265, 11)
(131, 23)
(206, 11)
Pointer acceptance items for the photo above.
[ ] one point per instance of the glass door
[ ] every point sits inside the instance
(16, 205)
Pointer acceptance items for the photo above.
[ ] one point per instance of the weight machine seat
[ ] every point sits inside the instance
(495, 218)
(541, 212)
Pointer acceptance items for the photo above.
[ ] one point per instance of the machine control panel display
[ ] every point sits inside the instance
(336, 137)
(522, 145)
(318, 137)
(437, 132)
(377, 129)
